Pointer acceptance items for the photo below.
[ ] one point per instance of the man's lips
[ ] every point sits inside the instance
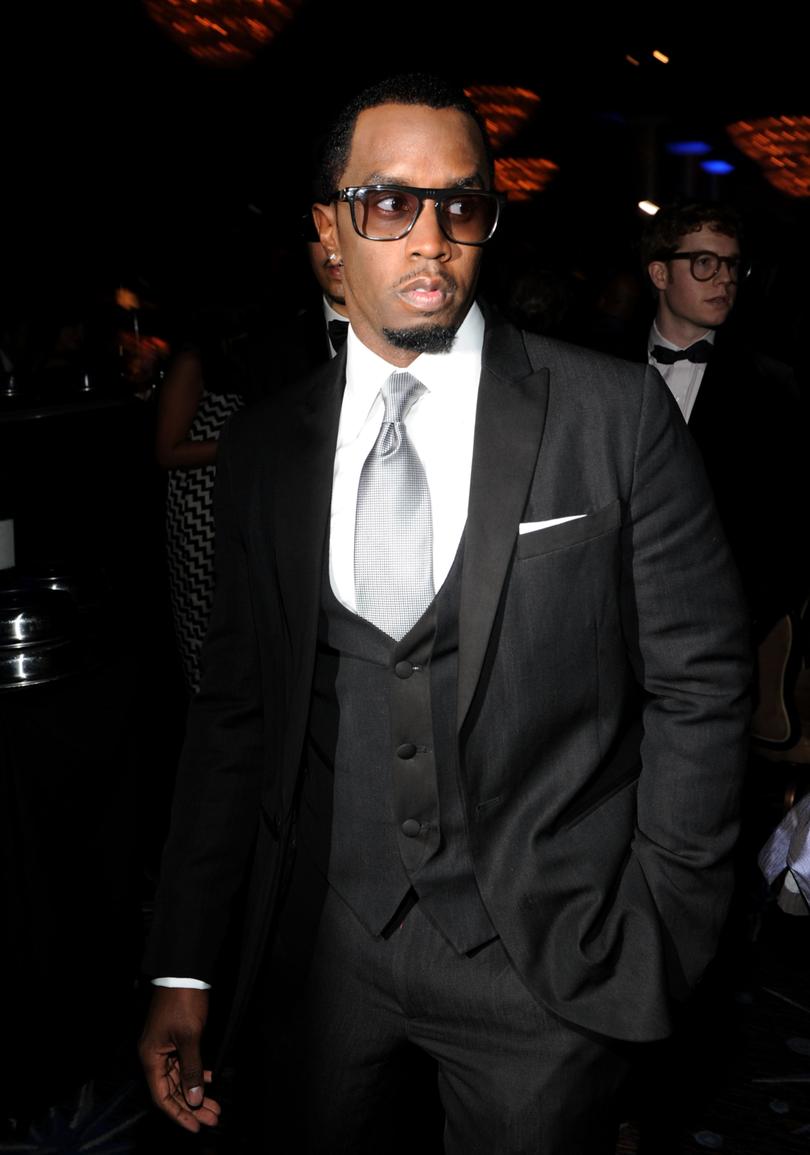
(426, 294)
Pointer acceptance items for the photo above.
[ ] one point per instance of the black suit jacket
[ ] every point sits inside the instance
(601, 695)
(750, 426)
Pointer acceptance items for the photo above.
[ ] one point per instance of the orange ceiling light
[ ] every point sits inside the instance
(781, 146)
(222, 33)
(504, 109)
(523, 177)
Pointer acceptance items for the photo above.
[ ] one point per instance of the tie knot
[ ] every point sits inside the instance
(399, 392)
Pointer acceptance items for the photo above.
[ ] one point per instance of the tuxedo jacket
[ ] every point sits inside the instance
(603, 670)
(751, 429)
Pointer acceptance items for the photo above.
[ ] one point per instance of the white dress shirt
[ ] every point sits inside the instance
(683, 378)
(441, 426)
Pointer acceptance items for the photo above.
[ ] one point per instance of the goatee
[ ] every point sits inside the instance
(425, 339)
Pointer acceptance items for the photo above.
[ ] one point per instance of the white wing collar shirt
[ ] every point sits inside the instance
(684, 377)
(441, 427)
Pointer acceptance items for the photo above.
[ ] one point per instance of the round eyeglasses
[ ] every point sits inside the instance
(704, 264)
(388, 212)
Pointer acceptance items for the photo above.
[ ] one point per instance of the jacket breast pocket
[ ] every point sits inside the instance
(581, 529)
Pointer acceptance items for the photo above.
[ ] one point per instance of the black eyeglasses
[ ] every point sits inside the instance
(704, 265)
(388, 212)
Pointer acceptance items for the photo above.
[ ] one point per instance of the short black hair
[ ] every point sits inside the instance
(408, 88)
(663, 232)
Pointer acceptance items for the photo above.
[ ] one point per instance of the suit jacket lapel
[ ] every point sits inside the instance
(509, 424)
(511, 411)
(301, 499)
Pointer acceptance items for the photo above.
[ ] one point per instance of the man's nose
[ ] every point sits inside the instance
(427, 238)
(723, 273)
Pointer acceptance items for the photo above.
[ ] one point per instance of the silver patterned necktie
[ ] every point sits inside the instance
(393, 536)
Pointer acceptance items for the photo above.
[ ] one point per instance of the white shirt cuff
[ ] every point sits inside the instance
(171, 981)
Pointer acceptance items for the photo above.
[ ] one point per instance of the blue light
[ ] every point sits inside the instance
(717, 166)
(689, 148)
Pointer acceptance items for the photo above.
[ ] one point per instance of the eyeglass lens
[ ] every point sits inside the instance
(386, 214)
(706, 265)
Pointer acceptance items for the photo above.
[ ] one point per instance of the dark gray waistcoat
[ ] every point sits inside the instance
(382, 744)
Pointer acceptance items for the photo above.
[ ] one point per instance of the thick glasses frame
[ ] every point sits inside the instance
(738, 270)
(437, 195)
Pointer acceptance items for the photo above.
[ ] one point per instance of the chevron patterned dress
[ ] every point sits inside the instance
(190, 536)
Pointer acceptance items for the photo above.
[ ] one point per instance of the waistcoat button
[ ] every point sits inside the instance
(403, 669)
(410, 827)
(406, 750)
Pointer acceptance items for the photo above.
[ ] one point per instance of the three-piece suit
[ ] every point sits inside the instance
(552, 755)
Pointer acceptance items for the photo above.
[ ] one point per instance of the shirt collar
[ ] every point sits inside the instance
(657, 338)
(331, 314)
(366, 371)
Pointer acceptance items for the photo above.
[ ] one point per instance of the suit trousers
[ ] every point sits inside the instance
(513, 1079)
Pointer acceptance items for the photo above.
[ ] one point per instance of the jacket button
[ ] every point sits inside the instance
(410, 827)
(406, 750)
(403, 669)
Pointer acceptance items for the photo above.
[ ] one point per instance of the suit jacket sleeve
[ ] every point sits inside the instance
(217, 796)
(687, 641)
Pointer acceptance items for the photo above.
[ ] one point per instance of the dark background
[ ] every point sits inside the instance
(124, 161)
(122, 155)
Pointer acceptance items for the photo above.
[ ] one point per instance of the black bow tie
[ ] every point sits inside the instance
(337, 334)
(700, 353)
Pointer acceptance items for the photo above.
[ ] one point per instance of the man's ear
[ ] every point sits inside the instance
(658, 274)
(325, 218)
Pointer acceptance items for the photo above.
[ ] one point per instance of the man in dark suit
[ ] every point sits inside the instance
(749, 421)
(289, 344)
(472, 705)
(327, 269)
(743, 409)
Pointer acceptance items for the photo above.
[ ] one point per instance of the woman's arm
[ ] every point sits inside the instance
(179, 397)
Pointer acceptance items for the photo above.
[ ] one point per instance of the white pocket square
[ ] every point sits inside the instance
(531, 526)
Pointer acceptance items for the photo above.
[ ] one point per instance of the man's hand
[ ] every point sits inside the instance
(170, 1053)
